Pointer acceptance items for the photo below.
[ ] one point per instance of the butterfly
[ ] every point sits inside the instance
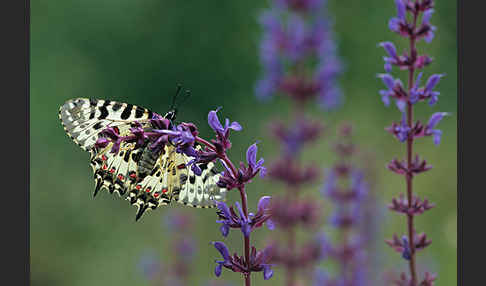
(145, 178)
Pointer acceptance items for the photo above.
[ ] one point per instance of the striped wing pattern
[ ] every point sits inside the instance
(170, 178)
(84, 118)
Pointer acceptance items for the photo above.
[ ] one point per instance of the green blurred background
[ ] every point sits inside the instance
(136, 52)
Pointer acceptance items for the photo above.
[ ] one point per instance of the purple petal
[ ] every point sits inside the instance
(435, 119)
(387, 67)
(263, 172)
(263, 203)
(240, 210)
(195, 168)
(102, 142)
(214, 122)
(437, 135)
(223, 207)
(401, 104)
(394, 25)
(427, 16)
(418, 79)
(218, 269)
(433, 97)
(430, 35)
(270, 224)
(224, 229)
(385, 97)
(116, 146)
(432, 82)
(251, 155)
(390, 49)
(221, 247)
(406, 248)
(267, 272)
(401, 9)
(387, 80)
(234, 125)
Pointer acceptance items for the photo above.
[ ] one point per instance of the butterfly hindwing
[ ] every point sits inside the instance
(200, 191)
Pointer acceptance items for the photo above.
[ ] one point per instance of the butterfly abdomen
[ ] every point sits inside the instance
(147, 162)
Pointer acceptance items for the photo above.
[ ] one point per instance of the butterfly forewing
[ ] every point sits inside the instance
(83, 118)
(148, 179)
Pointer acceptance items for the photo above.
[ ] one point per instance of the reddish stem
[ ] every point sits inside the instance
(247, 238)
(223, 157)
(409, 176)
(291, 246)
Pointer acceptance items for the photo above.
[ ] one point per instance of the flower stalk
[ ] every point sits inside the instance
(406, 24)
(299, 63)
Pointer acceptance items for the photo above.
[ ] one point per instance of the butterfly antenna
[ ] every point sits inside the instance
(188, 94)
(178, 90)
(178, 104)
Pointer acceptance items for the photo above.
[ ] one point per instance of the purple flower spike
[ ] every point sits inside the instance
(413, 61)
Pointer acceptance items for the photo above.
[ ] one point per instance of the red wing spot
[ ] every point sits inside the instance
(138, 187)
(164, 190)
(156, 194)
(105, 167)
(104, 158)
(121, 177)
(181, 166)
(147, 190)
(117, 131)
(133, 175)
(112, 170)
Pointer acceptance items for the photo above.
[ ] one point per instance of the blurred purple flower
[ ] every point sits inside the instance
(149, 265)
(293, 138)
(292, 39)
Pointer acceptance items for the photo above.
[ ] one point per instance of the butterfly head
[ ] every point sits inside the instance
(171, 115)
